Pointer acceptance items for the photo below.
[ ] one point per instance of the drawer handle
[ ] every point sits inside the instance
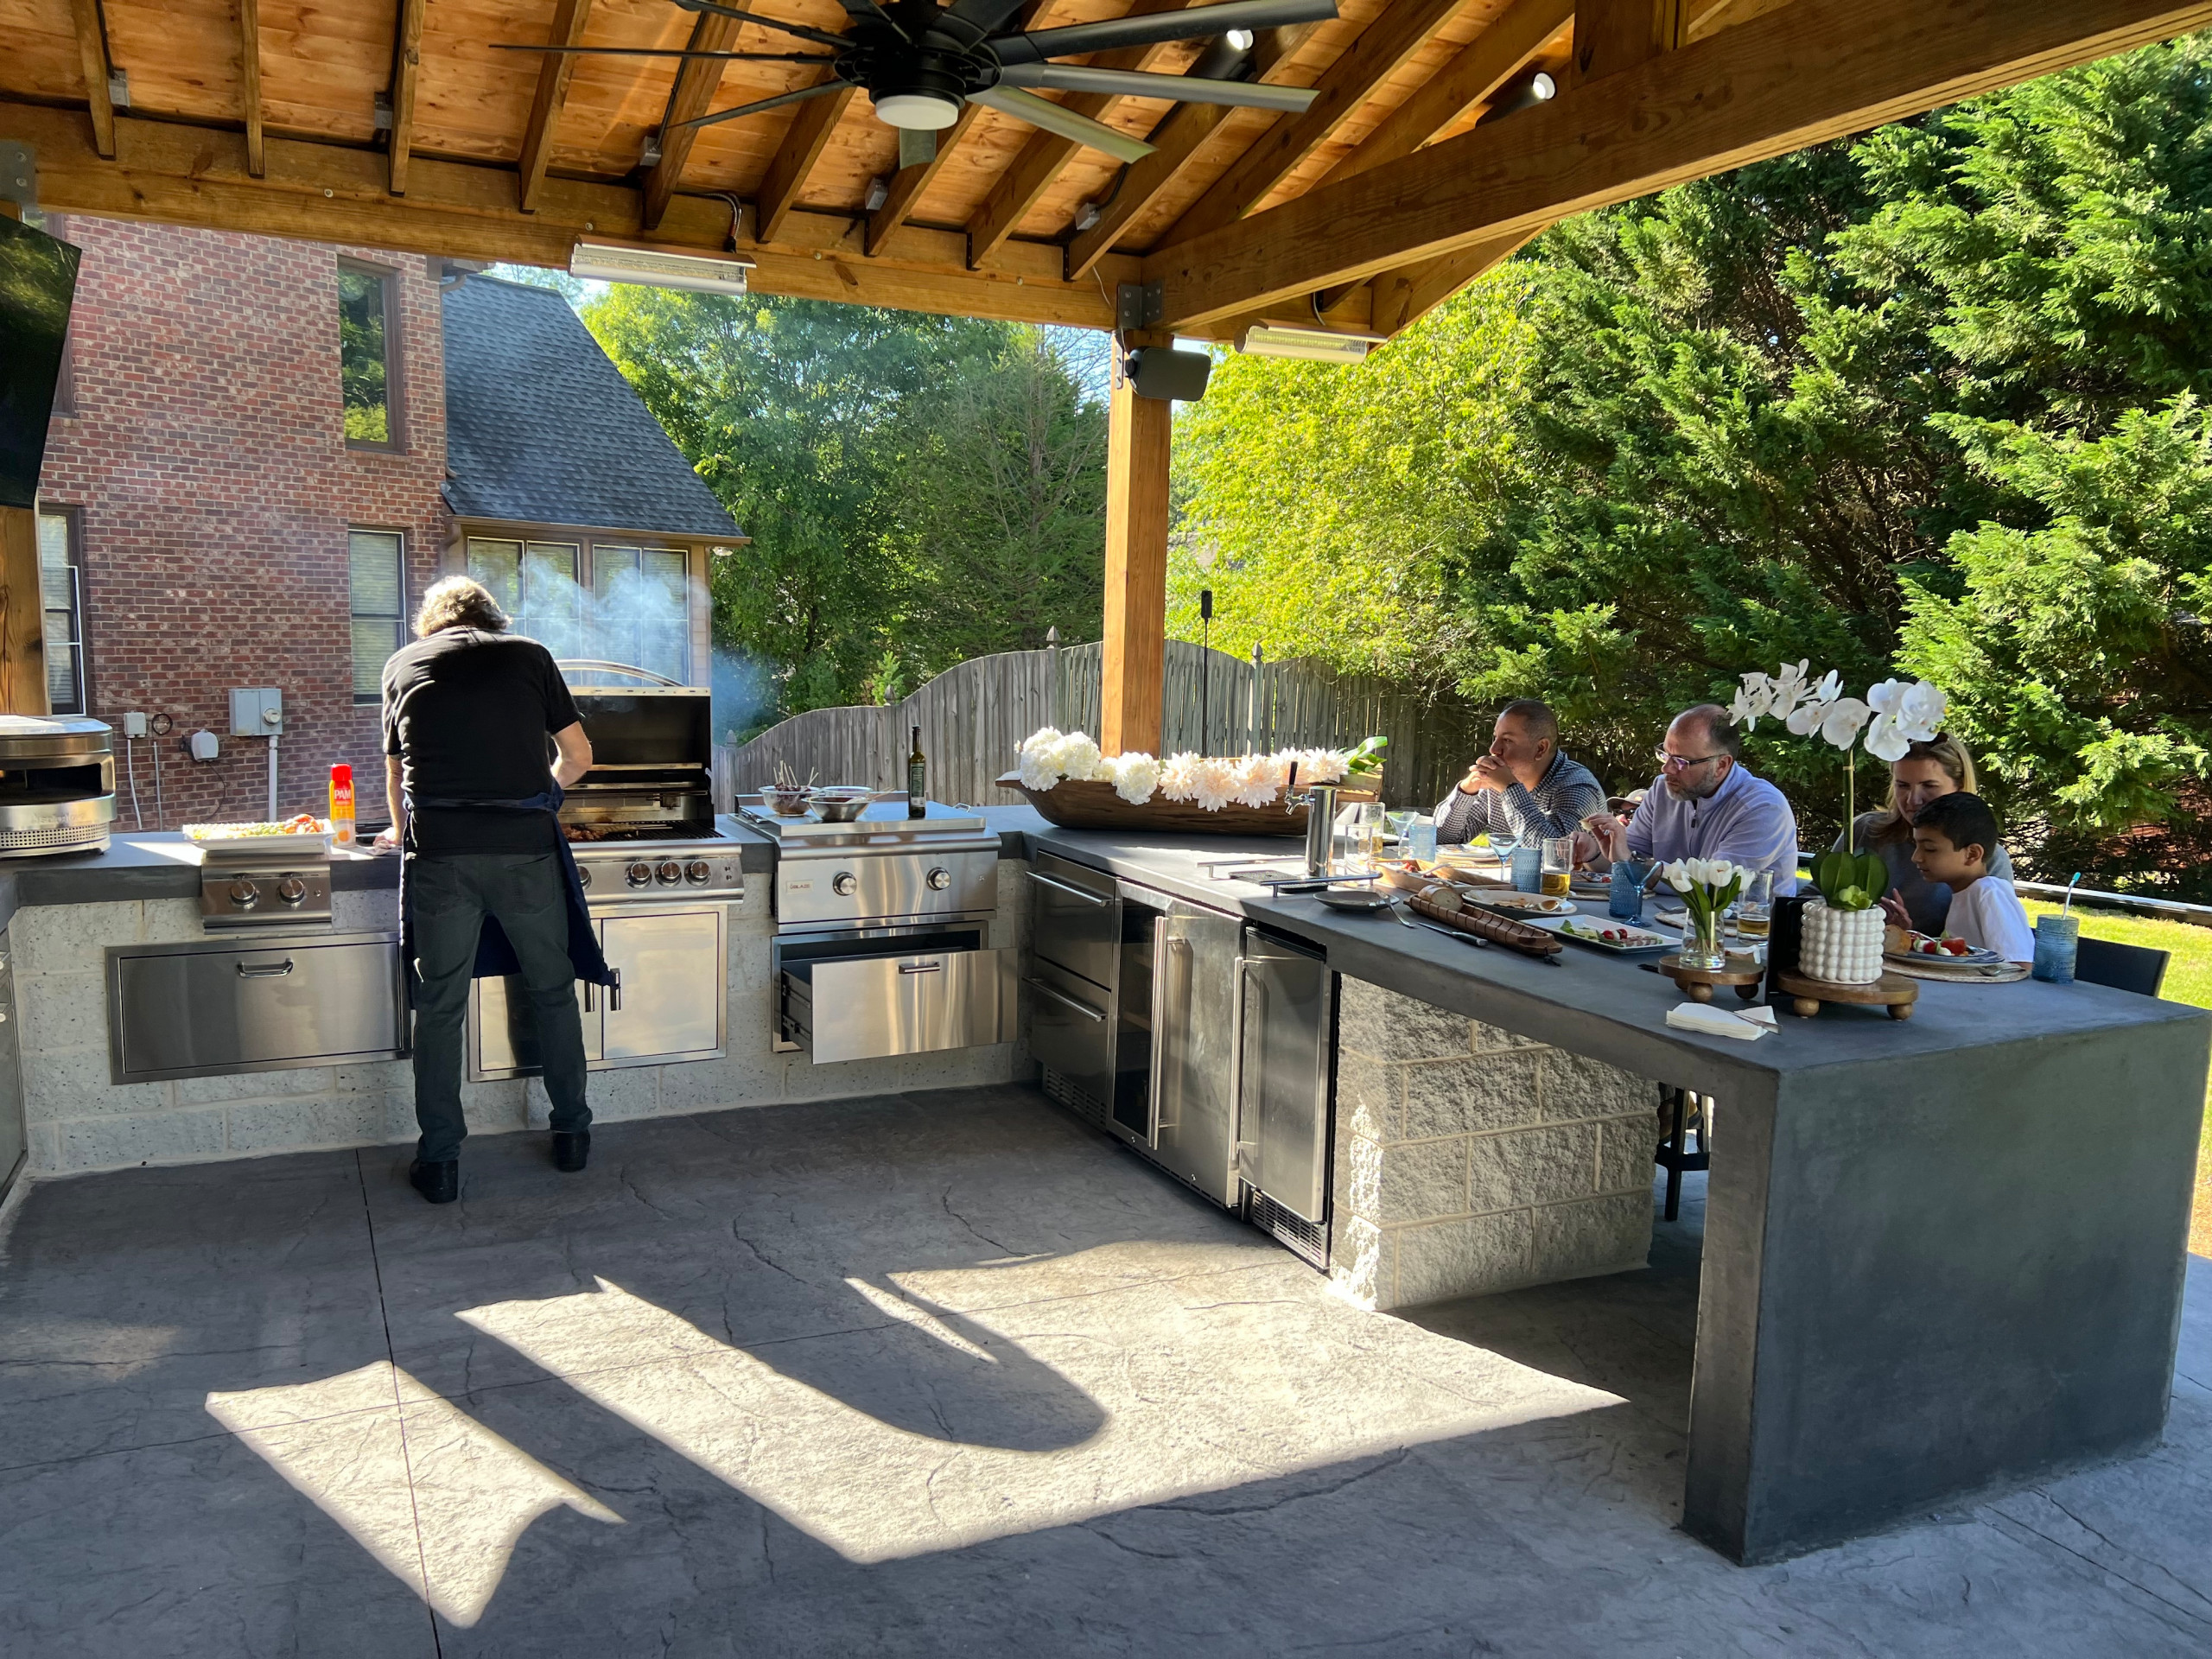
(614, 992)
(1087, 897)
(265, 969)
(921, 966)
(1062, 998)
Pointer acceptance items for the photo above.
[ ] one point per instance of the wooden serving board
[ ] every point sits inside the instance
(1892, 991)
(1492, 927)
(1094, 805)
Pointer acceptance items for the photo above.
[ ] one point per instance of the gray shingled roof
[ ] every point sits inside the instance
(541, 428)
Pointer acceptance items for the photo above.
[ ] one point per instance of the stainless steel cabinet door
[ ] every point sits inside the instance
(675, 984)
(1075, 919)
(11, 1085)
(1283, 1113)
(205, 1010)
(872, 1007)
(1194, 1047)
(504, 1037)
(1072, 1030)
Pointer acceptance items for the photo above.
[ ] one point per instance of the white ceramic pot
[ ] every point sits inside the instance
(1841, 946)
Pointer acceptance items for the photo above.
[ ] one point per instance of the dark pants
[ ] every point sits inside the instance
(448, 895)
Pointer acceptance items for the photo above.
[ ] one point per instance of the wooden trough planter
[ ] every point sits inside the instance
(1094, 805)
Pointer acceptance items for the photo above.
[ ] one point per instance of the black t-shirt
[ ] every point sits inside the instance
(468, 714)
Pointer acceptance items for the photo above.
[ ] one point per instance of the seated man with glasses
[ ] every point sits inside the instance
(1707, 803)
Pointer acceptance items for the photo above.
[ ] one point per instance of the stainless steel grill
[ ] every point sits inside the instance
(57, 786)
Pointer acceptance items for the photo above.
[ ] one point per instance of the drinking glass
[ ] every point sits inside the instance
(2058, 938)
(1368, 830)
(1625, 901)
(1754, 906)
(1559, 865)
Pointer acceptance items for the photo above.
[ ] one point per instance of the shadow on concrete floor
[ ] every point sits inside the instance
(917, 1375)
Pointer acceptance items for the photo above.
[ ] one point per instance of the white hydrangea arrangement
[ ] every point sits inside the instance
(1209, 782)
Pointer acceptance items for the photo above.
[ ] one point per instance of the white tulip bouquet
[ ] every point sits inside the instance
(1893, 716)
(1708, 886)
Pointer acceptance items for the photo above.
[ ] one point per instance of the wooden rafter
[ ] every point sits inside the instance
(406, 71)
(1046, 155)
(569, 19)
(250, 83)
(695, 82)
(1610, 35)
(1176, 142)
(1816, 70)
(175, 173)
(1503, 50)
(1400, 297)
(1380, 51)
(92, 47)
(795, 158)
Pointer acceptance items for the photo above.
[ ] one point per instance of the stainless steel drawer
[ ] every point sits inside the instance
(1071, 1026)
(1075, 919)
(867, 1007)
(210, 1009)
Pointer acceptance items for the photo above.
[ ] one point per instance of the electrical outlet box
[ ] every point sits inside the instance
(257, 711)
(134, 725)
(205, 745)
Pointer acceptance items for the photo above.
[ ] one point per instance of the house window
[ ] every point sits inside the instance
(367, 373)
(62, 590)
(378, 576)
(638, 610)
(619, 604)
(537, 585)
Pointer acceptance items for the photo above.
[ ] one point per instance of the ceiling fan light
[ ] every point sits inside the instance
(1240, 39)
(918, 112)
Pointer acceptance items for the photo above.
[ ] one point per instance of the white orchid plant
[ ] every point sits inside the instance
(1209, 782)
(1893, 716)
(1708, 886)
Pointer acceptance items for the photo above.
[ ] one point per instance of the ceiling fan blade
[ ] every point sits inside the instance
(669, 52)
(1183, 89)
(869, 11)
(966, 22)
(833, 84)
(1189, 24)
(1065, 123)
(819, 36)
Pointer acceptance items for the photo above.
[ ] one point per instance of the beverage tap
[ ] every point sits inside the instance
(1319, 801)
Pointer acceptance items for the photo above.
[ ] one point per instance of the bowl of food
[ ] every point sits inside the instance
(840, 803)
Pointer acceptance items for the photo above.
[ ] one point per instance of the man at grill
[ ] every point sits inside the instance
(488, 885)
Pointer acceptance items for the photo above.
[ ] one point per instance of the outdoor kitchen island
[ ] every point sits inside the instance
(1940, 1256)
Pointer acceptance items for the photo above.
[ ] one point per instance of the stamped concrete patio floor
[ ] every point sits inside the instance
(922, 1374)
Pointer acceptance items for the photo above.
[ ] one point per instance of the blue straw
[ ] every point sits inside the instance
(2066, 907)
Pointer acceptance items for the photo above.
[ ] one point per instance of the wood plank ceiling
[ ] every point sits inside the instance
(396, 123)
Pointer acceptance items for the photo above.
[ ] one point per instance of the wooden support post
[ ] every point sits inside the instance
(1137, 446)
(22, 617)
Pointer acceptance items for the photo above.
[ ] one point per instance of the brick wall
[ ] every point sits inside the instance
(208, 459)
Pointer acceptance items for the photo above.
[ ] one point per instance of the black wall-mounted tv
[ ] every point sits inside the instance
(38, 283)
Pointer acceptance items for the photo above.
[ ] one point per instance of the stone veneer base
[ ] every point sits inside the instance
(1468, 1160)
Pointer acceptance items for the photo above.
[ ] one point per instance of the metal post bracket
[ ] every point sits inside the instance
(19, 175)
(1139, 305)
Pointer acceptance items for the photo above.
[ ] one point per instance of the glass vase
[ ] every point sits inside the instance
(1701, 946)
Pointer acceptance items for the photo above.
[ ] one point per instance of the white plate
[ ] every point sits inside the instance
(1559, 925)
(1924, 958)
(1534, 906)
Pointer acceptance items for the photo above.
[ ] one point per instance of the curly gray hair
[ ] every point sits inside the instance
(458, 602)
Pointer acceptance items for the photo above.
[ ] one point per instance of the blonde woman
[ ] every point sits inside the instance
(1928, 771)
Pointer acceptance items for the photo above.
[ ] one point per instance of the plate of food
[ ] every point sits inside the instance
(1622, 938)
(1949, 953)
(1521, 904)
(304, 833)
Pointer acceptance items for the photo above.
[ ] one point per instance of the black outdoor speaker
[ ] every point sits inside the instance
(1157, 372)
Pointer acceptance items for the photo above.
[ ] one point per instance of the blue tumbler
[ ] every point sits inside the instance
(2057, 939)
(1529, 869)
(1625, 902)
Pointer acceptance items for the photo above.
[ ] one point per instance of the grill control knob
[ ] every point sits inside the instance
(638, 875)
(938, 878)
(292, 890)
(696, 872)
(583, 875)
(844, 884)
(245, 894)
(669, 874)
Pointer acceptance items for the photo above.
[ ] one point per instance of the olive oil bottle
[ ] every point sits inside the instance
(917, 781)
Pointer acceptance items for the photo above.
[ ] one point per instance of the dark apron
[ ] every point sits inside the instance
(495, 953)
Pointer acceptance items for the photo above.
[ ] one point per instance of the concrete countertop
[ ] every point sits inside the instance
(1608, 1007)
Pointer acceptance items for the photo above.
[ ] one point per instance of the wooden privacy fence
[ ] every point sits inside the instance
(974, 714)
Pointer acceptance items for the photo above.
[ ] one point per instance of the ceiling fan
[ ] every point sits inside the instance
(920, 62)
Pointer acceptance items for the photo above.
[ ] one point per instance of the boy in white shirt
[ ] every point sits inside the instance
(1952, 838)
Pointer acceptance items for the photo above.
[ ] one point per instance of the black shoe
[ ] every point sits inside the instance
(570, 1149)
(439, 1183)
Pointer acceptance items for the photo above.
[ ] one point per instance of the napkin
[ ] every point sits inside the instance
(1706, 1020)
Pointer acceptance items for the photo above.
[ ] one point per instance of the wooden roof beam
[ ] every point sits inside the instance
(1176, 141)
(406, 71)
(1612, 36)
(92, 50)
(1382, 48)
(1403, 297)
(695, 82)
(570, 18)
(1503, 50)
(1046, 155)
(1818, 71)
(795, 158)
(250, 83)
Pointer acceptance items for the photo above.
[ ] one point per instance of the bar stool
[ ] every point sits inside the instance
(1675, 1155)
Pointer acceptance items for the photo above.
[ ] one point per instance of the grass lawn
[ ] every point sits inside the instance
(2189, 979)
